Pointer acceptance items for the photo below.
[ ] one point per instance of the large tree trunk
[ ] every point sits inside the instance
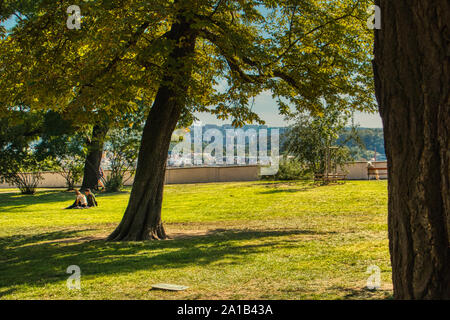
(412, 79)
(94, 157)
(142, 218)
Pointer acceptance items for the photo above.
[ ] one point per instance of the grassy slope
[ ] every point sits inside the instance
(250, 240)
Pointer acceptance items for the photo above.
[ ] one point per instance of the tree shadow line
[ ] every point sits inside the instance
(13, 200)
(26, 261)
(288, 187)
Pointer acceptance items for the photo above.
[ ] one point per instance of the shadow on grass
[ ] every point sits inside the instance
(277, 183)
(295, 186)
(26, 261)
(6, 292)
(363, 293)
(287, 187)
(113, 193)
(14, 200)
(273, 191)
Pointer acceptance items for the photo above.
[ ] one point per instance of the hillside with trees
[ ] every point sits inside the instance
(372, 140)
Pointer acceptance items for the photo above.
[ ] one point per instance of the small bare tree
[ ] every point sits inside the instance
(71, 169)
(121, 152)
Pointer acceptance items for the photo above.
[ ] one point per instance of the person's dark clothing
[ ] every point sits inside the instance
(75, 206)
(92, 202)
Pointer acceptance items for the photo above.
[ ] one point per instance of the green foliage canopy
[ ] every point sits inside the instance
(304, 52)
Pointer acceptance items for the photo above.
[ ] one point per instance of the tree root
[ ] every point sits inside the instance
(157, 233)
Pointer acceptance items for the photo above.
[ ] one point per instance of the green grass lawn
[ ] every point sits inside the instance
(247, 240)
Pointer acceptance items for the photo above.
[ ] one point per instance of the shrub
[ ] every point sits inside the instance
(25, 174)
(114, 182)
(290, 169)
(26, 182)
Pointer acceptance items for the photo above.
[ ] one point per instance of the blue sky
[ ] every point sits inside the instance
(8, 23)
(267, 109)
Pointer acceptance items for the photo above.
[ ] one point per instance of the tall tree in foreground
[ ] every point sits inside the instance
(412, 80)
(231, 33)
(185, 56)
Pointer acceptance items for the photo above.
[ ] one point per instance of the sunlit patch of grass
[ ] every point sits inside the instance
(248, 240)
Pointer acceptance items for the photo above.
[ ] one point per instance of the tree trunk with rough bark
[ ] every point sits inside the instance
(94, 157)
(412, 80)
(142, 218)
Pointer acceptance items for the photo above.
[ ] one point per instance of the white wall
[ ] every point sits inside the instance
(355, 171)
(173, 176)
(358, 170)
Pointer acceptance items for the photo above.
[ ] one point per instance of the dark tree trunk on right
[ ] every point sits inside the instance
(412, 78)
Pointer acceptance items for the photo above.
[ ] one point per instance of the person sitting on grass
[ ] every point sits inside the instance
(91, 201)
(80, 201)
